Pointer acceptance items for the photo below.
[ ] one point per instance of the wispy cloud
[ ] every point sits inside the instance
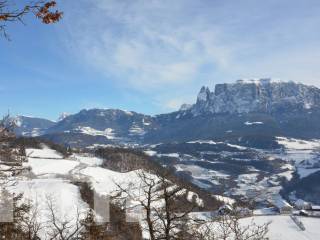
(165, 46)
(147, 44)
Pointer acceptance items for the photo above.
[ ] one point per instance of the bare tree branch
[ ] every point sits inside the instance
(41, 9)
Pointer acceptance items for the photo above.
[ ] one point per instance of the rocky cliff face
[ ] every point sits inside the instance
(264, 96)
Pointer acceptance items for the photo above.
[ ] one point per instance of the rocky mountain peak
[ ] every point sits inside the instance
(204, 94)
(256, 95)
(63, 116)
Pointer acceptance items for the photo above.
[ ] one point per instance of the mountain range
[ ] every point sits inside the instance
(250, 112)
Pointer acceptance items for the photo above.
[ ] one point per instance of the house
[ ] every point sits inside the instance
(243, 212)
(225, 209)
(302, 205)
(280, 204)
(315, 208)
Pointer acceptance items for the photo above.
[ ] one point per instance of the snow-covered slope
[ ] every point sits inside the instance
(44, 153)
(304, 154)
(64, 195)
(283, 228)
(48, 183)
(242, 110)
(280, 227)
(51, 178)
(31, 126)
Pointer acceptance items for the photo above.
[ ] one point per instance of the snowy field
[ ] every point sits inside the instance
(45, 152)
(49, 184)
(108, 132)
(245, 184)
(51, 180)
(42, 166)
(298, 144)
(304, 154)
(104, 180)
(64, 196)
(283, 228)
(52, 177)
(200, 173)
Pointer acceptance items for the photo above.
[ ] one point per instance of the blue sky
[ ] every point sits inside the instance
(151, 56)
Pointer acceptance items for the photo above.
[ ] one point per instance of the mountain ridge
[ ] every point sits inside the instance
(227, 113)
(263, 95)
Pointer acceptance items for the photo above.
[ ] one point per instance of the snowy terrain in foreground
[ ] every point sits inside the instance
(283, 228)
(41, 192)
(51, 176)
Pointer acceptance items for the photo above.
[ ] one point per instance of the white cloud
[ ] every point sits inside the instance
(169, 46)
(146, 44)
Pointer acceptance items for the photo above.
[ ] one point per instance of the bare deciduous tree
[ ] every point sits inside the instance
(165, 212)
(30, 222)
(149, 187)
(59, 228)
(173, 215)
(229, 227)
(167, 216)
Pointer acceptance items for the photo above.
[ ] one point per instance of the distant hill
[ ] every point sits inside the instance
(32, 126)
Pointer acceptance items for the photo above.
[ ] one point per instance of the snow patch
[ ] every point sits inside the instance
(63, 116)
(144, 122)
(40, 166)
(298, 144)
(173, 155)
(252, 123)
(136, 130)
(150, 153)
(237, 146)
(226, 200)
(108, 132)
(87, 160)
(45, 152)
(203, 142)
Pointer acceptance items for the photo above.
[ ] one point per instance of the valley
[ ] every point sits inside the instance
(251, 147)
(50, 175)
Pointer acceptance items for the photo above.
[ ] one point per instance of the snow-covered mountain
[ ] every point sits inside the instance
(263, 95)
(247, 112)
(101, 126)
(32, 126)
(185, 107)
(63, 116)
